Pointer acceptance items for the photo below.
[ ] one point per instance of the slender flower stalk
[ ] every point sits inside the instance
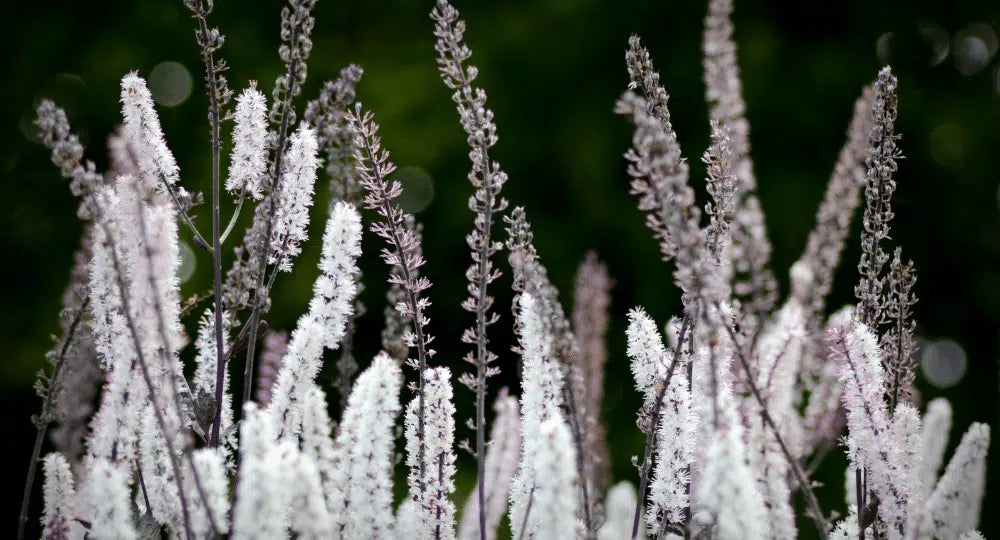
(402, 254)
(487, 179)
(897, 343)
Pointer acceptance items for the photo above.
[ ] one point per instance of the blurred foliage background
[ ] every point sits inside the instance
(553, 69)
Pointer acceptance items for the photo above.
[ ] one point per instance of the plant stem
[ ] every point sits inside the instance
(44, 421)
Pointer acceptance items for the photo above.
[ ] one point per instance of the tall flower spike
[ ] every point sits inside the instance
(755, 282)
(954, 505)
(591, 302)
(361, 506)
(872, 443)
(432, 491)
(248, 161)
(502, 454)
(204, 378)
(722, 186)
(655, 193)
(402, 252)
(879, 187)
(310, 517)
(328, 115)
(316, 439)
(60, 498)
(210, 464)
(824, 417)
(105, 500)
(555, 492)
(262, 493)
(294, 198)
(275, 348)
(933, 441)
(323, 326)
(141, 124)
(488, 179)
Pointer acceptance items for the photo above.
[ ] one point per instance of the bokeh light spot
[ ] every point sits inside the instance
(883, 47)
(974, 46)
(188, 263)
(938, 40)
(170, 83)
(943, 363)
(418, 189)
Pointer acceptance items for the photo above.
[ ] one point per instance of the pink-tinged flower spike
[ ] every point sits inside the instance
(275, 348)
(105, 500)
(324, 324)
(141, 124)
(619, 504)
(59, 516)
(751, 253)
(953, 507)
(361, 504)
(502, 454)
(872, 442)
(248, 161)
(432, 491)
(591, 302)
(541, 399)
(294, 198)
(933, 441)
(67, 154)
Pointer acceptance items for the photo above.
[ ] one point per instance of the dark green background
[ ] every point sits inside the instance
(553, 69)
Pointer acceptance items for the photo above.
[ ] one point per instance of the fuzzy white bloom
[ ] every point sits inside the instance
(361, 506)
(105, 500)
(726, 488)
(310, 517)
(502, 455)
(972, 535)
(620, 506)
(263, 491)
(933, 441)
(675, 432)
(407, 519)
(324, 324)
(823, 421)
(553, 512)
(248, 161)
(645, 348)
(872, 442)
(953, 507)
(436, 511)
(294, 197)
(141, 125)
(115, 426)
(317, 443)
(158, 475)
(60, 497)
(210, 463)
(541, 397)
(847, 528)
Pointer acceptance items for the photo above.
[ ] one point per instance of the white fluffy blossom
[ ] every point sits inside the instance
(60, 497)
(553, 512)
(317, 441)
(502, 455)
(324, 324)
(105, 500)
(141, 125)
(294, 197)
(933, 441)
(953, 507)
(248, 162)
(310, 517)
(541, 397)
(432, 491)
(361, 506)
(206, 361)
(262, 493)
(872, 442)
(210, 463)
